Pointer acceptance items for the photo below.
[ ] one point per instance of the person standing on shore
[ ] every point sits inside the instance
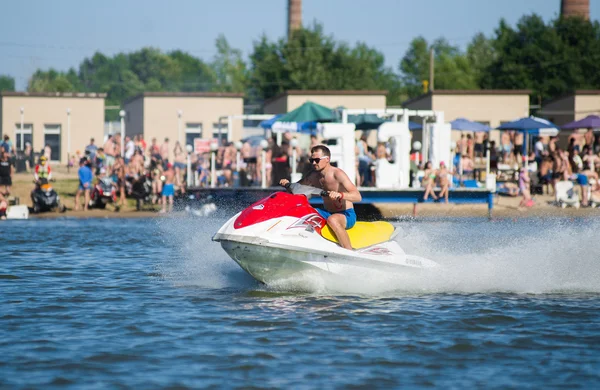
(85, 183)
(109, 151)
(6, 172)
(168, 190)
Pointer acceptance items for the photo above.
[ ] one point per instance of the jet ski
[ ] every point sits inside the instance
(282, 236)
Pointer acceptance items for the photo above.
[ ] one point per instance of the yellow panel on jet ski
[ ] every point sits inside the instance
(363, 234)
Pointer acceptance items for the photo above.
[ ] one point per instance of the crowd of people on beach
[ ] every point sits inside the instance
(154, 173)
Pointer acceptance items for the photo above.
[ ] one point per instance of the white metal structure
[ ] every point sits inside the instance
(230, 118)
(342, 152)
(122, 114)
(436, 141)
(68, 137)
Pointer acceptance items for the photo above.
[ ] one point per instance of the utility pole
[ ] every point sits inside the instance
(431, 72)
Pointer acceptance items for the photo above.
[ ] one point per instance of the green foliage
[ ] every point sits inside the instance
(452, 69)
(7, 83)
(312, 60)
(551, 59)
(229, 68)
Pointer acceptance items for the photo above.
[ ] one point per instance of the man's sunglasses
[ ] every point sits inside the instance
(316, 160)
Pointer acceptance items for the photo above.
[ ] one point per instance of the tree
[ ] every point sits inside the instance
(551, 59)
(452, 69)
(268, 76)
(7, 83)
(480, 54)
(50, 81)
(312, 60)
(194, 74)
(229, 68)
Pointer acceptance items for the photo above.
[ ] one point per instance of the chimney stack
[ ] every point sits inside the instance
(578, 8)
(294, 16)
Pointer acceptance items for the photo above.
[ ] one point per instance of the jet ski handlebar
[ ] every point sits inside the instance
(296, 188)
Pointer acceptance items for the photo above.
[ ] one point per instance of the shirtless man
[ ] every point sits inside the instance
(109, 150)
(168, 190)
(339, 208)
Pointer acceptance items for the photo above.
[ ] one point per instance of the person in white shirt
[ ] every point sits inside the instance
(129, 149)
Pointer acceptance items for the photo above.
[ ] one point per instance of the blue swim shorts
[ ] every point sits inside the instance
(168, 190)
(349, 213)
(582, 179)
(82, 188)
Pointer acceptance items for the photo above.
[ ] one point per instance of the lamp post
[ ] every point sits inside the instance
(179, 137)
(213, 173)
(264, 144)
(22, 135)
(294, 145)
(189, 148)
(122, 114)
(68, 139)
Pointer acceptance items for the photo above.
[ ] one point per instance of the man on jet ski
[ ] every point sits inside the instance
(339, 208)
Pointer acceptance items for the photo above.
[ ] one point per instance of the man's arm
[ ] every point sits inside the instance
(351, 194)
(304, 181)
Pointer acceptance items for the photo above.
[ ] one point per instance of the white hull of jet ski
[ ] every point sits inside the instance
(275, 250)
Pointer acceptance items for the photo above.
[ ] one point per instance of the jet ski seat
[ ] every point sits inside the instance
(364, 234)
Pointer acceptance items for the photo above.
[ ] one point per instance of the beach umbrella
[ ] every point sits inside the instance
(366, 121)
(589, 122)
(304, 118)
(531, 125)
(268, 123)
(463, 124)
(414, 126)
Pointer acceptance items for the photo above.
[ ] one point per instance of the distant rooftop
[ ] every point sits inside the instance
(326, 92)
(470, 92)
(55, 94)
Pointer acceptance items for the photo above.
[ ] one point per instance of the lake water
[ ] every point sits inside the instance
(153, 303)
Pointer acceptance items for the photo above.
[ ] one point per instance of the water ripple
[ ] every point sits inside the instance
(129, 303)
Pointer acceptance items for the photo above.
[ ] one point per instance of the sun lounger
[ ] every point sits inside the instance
(565, 194)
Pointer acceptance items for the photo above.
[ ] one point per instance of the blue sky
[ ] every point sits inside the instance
(38, 34)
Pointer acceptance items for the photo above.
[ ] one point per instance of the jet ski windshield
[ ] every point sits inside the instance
(308, 191)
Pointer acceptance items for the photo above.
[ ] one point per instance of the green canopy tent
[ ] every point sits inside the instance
(304, 118)
(366, 121)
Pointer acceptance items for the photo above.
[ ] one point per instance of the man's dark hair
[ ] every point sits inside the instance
(324, 149)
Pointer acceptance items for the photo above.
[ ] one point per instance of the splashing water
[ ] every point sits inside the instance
(525, 256)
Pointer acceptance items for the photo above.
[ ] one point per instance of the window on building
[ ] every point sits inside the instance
(192, 130)
(52, 138)
(220, 132)
(23, 135)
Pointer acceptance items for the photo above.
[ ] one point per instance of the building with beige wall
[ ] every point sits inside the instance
(185, 115)
(491, 107)
(49, 118)
(571, 107)
(293, 99)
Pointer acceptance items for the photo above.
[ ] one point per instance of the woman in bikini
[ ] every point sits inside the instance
(429, 181)
(443, 181)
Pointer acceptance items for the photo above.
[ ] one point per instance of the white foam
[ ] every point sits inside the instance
(528, 256)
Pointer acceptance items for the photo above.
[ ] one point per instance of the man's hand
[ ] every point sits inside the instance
(284, 182)
(335, 195)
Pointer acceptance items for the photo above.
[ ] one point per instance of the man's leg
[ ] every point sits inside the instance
(171, 203)
(77, 195)
(86, 197)
(337, 223)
